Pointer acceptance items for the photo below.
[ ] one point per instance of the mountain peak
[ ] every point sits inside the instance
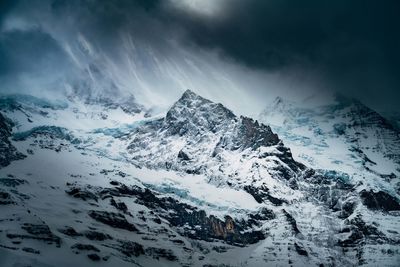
(189, 94)
(193, 112)
(190, 98)
(193, 115)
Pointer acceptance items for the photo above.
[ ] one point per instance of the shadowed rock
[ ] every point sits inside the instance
(158, 253)
(292, 222)
(8, 152)
(82, 194)
(87, 247)
(130, 248)
(379, 201)
(98, 236)
(300, 250)
(69, 231)
(37, 232)
(112, 219)
(5, 198)
(12, 182)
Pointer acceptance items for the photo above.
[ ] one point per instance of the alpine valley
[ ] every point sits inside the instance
(98, 181)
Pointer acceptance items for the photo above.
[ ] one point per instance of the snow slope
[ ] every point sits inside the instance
(197, 186)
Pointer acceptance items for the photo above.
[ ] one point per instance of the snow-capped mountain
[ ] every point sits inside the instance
(91, 184)
(344, 135)
(201, 137)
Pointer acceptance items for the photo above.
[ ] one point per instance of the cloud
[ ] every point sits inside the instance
(150, 46)
(30, 60)
(353, 45)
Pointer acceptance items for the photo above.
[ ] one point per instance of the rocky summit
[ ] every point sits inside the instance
(108, 183)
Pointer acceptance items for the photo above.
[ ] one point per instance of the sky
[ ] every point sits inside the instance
(240, 53)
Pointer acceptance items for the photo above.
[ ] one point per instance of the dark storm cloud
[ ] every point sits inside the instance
(34, 35)
(353, 46)
(30, 59)
(271, 34)
(5, 7)
(18, 46)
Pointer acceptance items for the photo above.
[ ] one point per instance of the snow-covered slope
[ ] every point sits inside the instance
(198, 136)
(101, 185)
(344, 135)
(72, 113)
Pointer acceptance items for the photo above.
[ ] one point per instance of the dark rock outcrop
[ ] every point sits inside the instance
(379, 201)
(8, 152)
(69, 231)
(119, 205)
(31, 250)
(87, 247)
(38, 232)
(250, 134)
(12, 182)
(262, 193)
(201, 226)
(5, 198)
(300, 250)
(112, 219)
(81, 193)
(197, 224)
(94, 257)
(359, 232)
(95, 235)
(130, 248)
(158, 253)
(292, 222)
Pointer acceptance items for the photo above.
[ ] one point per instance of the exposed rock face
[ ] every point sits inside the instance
(193, 222)
(358, 234)
(69, 231)
(249, 134)
(12, 182)
(81, 193)
(112, 219)
(379, 201)
(130, 248)
(262, 194)
(5, 198)
(95, 235)
(94, 257)
(292, 222)
(198, 136)
(300, 250)
(37, 232)
(86, 247)
(192, 114)
(8, 152)
(158, 253)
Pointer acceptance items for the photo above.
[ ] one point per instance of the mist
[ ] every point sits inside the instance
(155, 50)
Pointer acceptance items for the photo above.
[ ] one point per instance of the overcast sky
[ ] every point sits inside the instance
(240, 53)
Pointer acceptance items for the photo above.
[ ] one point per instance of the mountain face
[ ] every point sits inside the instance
(200, 186)
(8, 152)
(198, 136)
(344, 135)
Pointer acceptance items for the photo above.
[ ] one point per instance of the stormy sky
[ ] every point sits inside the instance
(240, 53)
